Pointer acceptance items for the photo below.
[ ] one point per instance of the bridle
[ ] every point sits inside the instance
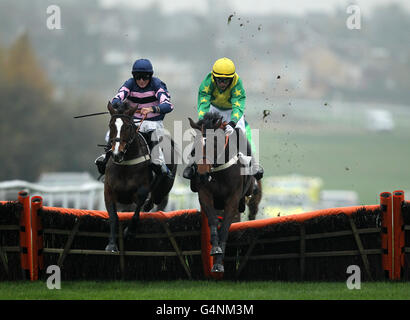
(135, 133)
(205, 167)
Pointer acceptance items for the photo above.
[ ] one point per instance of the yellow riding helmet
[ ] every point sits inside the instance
(223, 68)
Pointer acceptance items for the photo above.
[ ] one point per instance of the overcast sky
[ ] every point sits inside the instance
(244, 7)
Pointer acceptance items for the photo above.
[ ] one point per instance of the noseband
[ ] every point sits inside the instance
(134, 132)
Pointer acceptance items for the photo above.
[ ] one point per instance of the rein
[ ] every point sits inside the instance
(140, 123)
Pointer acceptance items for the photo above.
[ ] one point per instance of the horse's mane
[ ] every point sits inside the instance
(209, 120)
(122, 107)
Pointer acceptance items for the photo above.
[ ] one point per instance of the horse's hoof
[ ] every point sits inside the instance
(111, 247)
(216, 250)
(128, 233)
(148, 207)
(218, 268)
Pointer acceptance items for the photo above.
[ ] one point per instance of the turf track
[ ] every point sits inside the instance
(204, 290)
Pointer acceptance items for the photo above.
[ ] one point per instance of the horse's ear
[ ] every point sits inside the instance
(193, 124)
(131, 110)
(111, 108)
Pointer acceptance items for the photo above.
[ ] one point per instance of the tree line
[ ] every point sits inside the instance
(37, 132)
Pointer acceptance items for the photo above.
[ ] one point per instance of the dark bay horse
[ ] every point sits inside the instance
(128, 174)
(221, 182)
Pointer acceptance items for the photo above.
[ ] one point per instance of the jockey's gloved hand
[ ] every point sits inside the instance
(229, 129)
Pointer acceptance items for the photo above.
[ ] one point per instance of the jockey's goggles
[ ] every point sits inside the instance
(223, 80)
(142, 75)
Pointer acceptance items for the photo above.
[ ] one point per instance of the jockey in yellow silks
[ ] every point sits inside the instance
(222, 92)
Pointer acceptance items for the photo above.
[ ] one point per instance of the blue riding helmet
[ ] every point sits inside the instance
(142, 65)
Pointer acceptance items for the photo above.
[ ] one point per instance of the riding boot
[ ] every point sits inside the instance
(162, 170)
(193, 185)
(101, 162)
(255, 168)
(158, 164)
(157, 156)
(189, 172)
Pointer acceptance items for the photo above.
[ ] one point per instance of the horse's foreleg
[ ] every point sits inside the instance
(216, 248)
(230, 211)
(141, 196)
(223, 232)
(113, 218)
(207, 204)
(163, 204)
(149, 204)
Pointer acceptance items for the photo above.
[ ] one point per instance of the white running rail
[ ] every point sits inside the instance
(89, 195)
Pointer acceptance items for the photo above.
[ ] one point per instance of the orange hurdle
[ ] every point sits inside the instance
(37, 238)
(387, 233)
(392, 231)
(25, 234)
(398, 235)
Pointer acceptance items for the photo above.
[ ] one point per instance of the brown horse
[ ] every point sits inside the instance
(128, 174)
(221, 182)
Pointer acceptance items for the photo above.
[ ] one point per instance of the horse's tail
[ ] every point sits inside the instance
(254, 200)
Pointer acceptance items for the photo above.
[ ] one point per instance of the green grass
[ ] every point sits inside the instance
(204, 290)
(366, 162)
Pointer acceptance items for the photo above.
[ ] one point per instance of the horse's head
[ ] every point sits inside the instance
(209, 141)
(122, 130)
